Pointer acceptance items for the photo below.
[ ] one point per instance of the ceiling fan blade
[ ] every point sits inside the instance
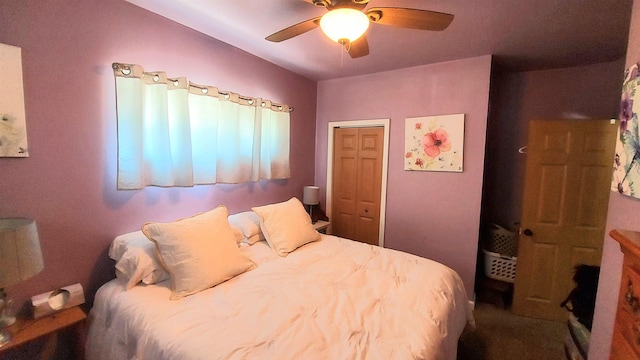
(410, 18)
(294, 30)
(359, 47)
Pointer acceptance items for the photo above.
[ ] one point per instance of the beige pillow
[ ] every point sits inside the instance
(286, 225)
(198, 252)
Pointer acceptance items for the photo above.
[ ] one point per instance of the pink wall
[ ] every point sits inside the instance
(584, 92)
(623, 214)
(431, 214)
(68, 182)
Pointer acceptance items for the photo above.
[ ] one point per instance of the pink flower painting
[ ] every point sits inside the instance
(434, 143)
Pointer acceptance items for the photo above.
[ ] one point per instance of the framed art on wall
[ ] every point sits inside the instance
(13, 130)
(626, 168)
(434, 143)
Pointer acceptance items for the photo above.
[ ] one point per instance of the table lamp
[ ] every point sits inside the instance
(20, 259)
(311, 197)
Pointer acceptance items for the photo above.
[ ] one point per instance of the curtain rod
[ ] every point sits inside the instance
(128, 70)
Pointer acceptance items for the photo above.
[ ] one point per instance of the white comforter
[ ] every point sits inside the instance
(332, 299)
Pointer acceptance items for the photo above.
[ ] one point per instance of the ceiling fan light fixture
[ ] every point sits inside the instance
(344, 24)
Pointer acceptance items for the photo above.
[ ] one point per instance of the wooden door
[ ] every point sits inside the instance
(357, 182)
(565, 200)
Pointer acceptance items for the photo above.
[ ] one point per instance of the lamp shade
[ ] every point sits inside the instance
(344, 24)
(20, 254)
(311, 195)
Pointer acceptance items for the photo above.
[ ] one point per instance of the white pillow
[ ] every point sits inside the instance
(136, 259)
(199, 252)
(286, 225)
(140, 264)
(123, 242)
(248, 222)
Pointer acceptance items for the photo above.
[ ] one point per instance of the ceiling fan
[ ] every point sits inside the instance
(346, 22)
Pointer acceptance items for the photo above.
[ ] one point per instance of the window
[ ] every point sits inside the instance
(172, 132)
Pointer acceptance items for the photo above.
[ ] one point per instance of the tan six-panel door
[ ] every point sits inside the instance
(565, 200)
(357, 181)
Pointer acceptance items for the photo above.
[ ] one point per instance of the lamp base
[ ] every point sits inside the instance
(5, 337)
(313, 221)
(7, 320)
(7, 316)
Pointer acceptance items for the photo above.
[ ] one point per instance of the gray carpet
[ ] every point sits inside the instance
(501, 335)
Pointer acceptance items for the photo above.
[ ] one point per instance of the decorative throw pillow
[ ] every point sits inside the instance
(199, 252)
(286, 225)
(248, 222)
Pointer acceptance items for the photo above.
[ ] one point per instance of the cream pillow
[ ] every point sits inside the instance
(248, 222)
(198, 252)
(286, 226)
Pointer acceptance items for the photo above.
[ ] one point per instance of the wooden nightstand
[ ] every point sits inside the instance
(25, 331)
(321, 226)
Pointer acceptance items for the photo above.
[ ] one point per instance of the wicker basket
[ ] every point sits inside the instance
(500, 267)
(502, 241)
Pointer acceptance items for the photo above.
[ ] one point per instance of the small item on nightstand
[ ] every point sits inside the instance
(47, 303)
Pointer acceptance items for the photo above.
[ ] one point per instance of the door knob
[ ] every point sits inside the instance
(528, 232)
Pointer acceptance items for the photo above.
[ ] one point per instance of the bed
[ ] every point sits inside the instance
(329, 298)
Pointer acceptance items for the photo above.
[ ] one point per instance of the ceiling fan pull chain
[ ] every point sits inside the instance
(346, 46)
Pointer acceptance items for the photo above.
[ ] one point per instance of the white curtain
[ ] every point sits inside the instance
(175, 133)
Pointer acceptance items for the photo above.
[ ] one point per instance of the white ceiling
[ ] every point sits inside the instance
(522, 34)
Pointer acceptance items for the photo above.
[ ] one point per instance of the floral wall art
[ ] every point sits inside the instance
(626, 168)
(13, 130)
(434, 143)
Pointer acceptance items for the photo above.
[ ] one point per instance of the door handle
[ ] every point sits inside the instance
(527, 232)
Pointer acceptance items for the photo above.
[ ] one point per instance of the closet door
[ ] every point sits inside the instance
(357, 181)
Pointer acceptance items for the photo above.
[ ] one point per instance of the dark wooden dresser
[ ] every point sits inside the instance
(626, 331)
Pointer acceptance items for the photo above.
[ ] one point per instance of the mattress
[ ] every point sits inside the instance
(330, 299)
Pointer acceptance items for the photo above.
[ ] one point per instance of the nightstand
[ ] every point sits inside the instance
(25, 331)
(321, 226)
